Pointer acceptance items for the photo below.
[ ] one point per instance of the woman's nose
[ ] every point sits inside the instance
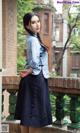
(38, 24)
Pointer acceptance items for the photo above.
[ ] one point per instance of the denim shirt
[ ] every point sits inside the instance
(37, 56)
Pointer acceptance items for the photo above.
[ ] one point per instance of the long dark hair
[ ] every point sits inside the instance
(26, 19)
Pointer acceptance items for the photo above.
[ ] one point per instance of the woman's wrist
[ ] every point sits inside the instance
(29, 70)
(26, 72)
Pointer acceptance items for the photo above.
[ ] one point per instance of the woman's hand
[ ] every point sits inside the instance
(25, 72)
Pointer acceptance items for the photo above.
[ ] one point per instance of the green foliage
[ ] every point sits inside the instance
(75, 43)
(23, 6)
(52, 100)
(66, 104)
(74, 19)
(21, 63)
(40, 7)
(75, 38)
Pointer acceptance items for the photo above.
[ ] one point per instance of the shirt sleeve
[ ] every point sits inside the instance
(33, 51)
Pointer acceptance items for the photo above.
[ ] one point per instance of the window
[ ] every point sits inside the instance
(46, 23)
(57, 34)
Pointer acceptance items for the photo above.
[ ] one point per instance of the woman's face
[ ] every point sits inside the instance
(34, 24)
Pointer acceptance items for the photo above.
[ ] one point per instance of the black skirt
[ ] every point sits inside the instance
(33, 104)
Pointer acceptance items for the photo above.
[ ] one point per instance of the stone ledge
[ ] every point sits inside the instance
(14, 127)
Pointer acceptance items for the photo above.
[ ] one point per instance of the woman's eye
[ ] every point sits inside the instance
(38, 21)
(33, 22)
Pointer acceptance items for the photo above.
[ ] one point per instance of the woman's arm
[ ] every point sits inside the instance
(33, 56)
(33, 52)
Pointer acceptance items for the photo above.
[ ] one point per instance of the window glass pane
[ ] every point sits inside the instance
(57, 34)
(46, 23)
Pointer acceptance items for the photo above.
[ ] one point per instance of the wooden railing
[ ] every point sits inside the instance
(59, 87)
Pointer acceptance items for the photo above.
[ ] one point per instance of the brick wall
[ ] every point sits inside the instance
(9, 37)
(0, 34)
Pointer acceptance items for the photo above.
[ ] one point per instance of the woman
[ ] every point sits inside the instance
(33, 104)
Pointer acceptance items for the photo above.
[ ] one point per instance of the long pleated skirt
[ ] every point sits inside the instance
(33, 104)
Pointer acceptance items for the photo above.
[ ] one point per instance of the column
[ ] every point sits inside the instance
(9, 61)
(0, 58)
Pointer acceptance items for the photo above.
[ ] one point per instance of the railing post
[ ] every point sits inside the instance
(74, 112)
(12, 103)
(59, 110)
(2, 117)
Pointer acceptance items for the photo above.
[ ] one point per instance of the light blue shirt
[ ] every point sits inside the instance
(37, 56)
